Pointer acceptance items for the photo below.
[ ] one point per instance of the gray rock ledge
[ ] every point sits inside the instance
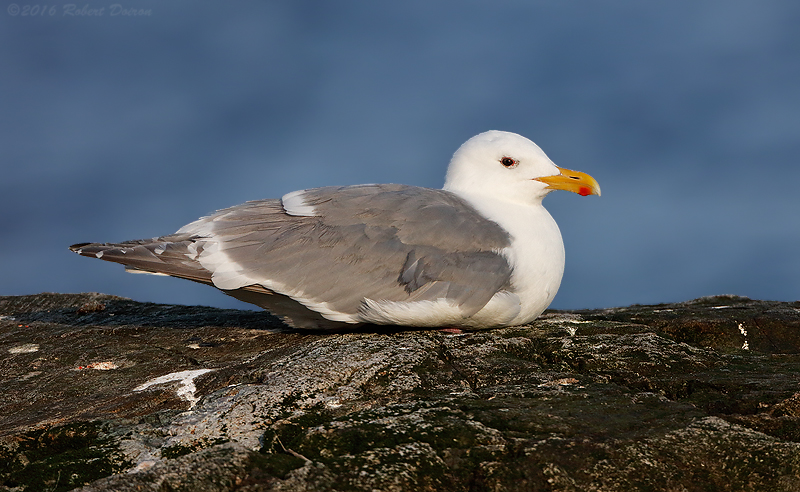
(102, 393)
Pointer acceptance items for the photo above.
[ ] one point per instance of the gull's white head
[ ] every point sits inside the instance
(512, 168)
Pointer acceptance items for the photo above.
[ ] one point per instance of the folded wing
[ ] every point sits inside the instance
(332, 249)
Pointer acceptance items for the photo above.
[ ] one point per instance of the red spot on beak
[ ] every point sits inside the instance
(584, 191)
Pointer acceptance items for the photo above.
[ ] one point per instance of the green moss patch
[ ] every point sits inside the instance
(59, 458)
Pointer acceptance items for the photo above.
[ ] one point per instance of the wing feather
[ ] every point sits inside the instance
(386, 243)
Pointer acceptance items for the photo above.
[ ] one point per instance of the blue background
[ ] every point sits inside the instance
(687, 112)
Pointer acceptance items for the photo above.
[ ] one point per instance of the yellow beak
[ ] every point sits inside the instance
(574, 181)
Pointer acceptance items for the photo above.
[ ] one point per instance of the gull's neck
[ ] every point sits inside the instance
(496, 206)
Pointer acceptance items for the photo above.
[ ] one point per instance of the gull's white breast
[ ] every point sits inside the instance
(536, 255)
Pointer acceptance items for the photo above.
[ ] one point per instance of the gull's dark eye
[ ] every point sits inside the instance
(508, 162)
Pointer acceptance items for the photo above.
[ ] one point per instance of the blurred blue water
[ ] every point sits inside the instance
(687, 113)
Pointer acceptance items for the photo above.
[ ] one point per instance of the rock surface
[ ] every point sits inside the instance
(108, 394)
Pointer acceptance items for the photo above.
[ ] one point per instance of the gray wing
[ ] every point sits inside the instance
(331, 248)
(340, 245)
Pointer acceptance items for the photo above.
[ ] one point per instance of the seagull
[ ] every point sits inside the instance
(481, 252)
